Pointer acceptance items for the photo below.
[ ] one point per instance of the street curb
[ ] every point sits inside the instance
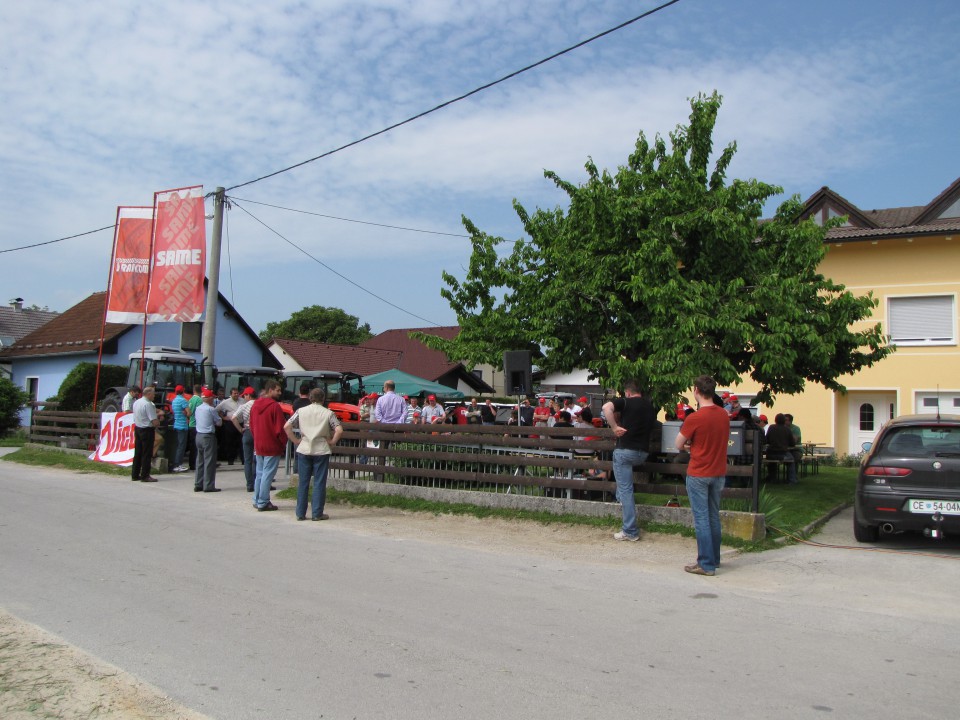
(807, 530)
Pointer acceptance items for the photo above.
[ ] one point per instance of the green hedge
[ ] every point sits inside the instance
(76, 391)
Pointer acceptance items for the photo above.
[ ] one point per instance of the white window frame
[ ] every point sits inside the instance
(916, 309)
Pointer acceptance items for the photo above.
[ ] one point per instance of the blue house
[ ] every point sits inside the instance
(40, 361)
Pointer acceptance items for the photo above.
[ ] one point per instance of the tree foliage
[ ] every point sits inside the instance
(76, 390)
(319, 324)
(662, 272)
(12, 399)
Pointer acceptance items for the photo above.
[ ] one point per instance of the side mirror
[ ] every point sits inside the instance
(866, 446)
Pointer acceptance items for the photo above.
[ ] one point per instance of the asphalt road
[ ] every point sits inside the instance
(240, 614)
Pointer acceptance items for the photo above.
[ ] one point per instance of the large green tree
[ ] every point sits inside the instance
(319, 324)
(662, 272)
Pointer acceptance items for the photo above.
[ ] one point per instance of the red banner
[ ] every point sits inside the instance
(130, 274)
(179, 257)
(116, 439)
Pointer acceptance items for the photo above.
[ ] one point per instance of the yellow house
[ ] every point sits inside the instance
(909, 258)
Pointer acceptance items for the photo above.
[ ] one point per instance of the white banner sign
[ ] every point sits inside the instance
(116, 439)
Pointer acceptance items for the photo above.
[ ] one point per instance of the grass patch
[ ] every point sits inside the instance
(67, 461)
(15, 439)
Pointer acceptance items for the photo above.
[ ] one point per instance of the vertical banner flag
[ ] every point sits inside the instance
(179, 256)
(130, 274)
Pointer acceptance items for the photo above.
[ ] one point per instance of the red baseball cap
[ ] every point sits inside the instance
(733, 397)
(582, 400)
(249, 391)
(763, 417)
(724, 394)
(206, 392)
(431, 397)
(178, 388)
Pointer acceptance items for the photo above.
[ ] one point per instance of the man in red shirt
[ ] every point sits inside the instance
(269, 442)
(705, 435)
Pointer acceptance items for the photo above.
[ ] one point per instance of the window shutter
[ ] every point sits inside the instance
(921, 319)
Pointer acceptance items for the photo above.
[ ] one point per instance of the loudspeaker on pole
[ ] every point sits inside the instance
(517, 372)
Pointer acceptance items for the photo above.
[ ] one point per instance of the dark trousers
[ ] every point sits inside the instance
(192, 447)
(206, 472)
(142, 452)
(231, 442)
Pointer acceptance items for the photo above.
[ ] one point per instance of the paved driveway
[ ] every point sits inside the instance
(378, 614)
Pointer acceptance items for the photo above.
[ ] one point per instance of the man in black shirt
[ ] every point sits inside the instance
(631, 418)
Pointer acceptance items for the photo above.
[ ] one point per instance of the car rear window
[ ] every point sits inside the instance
(923, 441)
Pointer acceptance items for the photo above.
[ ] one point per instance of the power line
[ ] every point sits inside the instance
(50, 242)
(461, 97)
(338, 274)
(361, 222)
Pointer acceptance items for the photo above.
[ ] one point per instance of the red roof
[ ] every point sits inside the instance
(76, 330)
(416, 358)
(341, 358)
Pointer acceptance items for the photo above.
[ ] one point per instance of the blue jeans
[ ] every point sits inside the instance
(312, 466)
(249, 462)
(267, 466)
(704, 494)
(181, 447)
(623, 462)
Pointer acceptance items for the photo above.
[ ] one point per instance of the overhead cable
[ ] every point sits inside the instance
(50, 242)
(338, 274)
(459, 98)
(361, 222)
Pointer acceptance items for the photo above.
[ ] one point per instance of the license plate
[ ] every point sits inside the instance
(928, 507)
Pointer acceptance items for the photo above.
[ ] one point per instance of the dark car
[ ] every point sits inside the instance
(910, 479)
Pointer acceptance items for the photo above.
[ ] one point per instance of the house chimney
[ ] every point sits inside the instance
(17, 304)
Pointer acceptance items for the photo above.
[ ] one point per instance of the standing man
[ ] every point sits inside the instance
(705, 435)
(130, 398)
(208, 420)
(145, 428)
(304, 398)
(390, 407)
(241, 421)
(631, 418)
(413, 409)
(180, 424)
(432, 413)
(192, 406)
(526, 413)
(319, 432)
(269, 442)
(488, 413)
(228, 432)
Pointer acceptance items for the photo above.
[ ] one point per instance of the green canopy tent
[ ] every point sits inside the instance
(407, 384)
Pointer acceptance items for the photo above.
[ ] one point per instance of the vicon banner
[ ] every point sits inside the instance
(116, 439)
(179, 256)
(130, 273)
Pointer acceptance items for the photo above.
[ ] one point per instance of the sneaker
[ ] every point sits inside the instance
(695, 569)
(623, 536)
(180, 469)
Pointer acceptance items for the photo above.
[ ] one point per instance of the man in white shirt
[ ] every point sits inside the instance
(130, 398)
(208, 420)
(145, 427)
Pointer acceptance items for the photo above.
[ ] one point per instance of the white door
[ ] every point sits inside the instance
(868, 413)
(947, 402)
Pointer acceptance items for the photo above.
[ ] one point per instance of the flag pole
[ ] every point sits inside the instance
(106, 305)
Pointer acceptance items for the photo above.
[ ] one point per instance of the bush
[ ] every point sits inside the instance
(12, 399)
(76, 391)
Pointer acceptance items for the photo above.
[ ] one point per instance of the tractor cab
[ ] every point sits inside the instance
(341, 398)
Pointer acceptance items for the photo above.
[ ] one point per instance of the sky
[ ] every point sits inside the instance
(106, 103)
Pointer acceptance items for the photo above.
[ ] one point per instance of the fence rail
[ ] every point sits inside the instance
(511, 459)
(63, 427)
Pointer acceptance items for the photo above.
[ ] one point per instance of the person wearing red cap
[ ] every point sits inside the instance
(241, 421)
(734, 408)
(541, 413)
(432, 413)
(228, 439)
(181, 426)
(208, 420)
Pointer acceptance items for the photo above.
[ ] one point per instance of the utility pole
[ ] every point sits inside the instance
(213, 290)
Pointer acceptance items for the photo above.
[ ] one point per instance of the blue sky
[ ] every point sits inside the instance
(105, 103)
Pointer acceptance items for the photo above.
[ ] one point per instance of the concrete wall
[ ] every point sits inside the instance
(748, 526)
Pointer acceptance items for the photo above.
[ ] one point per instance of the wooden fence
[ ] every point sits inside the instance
(62, 427)
(522, 460)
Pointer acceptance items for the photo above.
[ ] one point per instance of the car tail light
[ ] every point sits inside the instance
(884, 471)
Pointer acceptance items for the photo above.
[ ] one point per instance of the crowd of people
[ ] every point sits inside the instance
(261, 432)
